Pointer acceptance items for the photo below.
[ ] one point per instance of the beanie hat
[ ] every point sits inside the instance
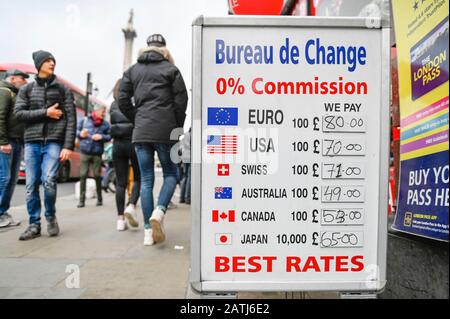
(40, 57)
(156, 40)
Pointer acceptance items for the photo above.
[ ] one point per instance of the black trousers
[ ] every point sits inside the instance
(123, 154)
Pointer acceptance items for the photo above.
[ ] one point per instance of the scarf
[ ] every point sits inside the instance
(97, 119)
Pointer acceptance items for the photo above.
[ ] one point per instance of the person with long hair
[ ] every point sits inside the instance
(123, 155)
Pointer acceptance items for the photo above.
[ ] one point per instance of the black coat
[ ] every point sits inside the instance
(121, 127)
(160, 98)
(31, 106)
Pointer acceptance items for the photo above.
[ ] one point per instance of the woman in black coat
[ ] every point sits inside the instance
(123, 154)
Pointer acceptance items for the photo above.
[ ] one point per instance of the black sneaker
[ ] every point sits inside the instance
(52, 226)
(99, 203)
(31, 232)
(80, 204)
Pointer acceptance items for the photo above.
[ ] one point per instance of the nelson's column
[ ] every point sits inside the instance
(130, 34)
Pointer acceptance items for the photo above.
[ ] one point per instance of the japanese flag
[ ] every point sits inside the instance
(223, 239)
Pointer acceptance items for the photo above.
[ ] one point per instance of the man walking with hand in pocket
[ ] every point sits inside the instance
(46, 107)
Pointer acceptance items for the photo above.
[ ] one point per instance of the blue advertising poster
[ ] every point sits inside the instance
(424, 204)
(429, 61)
(421, 33)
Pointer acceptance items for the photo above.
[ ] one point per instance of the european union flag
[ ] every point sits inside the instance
(223, 116)
(223, 193)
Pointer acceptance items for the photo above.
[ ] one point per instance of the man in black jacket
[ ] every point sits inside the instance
(160, 107)
(46, 107)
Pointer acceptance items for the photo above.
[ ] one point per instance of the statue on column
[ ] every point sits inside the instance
(130, 20)
(129, 33)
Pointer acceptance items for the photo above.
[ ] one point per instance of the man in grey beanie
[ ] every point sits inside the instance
(47, 110)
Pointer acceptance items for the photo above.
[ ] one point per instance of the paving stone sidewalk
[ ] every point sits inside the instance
(110, 264)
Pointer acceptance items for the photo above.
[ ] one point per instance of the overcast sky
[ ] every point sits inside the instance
(85, 35)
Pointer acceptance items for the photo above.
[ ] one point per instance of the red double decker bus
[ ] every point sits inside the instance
(71, 168)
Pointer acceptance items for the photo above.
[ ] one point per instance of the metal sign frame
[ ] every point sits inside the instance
(200, 286)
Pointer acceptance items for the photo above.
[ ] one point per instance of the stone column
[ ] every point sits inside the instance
(129, 33)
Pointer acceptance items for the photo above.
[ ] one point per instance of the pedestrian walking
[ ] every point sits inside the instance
(11, 142)
(160, 97)
(109, 173)
(185, 149)
(46, 107)
(124, 155)
(93, 132)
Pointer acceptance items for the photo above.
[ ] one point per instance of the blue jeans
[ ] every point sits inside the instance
(145, 153)
(42, 165)
(9, 172)
(186, 183)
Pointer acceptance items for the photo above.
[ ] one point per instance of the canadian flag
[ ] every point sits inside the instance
(223, 239)
(223, 169)
(224, 216)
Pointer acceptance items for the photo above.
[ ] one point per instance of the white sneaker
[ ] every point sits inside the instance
(12, 222)
(131, 215)
(4, 220)
(157, 222)
(148, 238)
(172, 205)
(121, 225)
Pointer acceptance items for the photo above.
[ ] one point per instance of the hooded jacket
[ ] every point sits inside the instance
(31, 107)
(10, 127)
(160, 98)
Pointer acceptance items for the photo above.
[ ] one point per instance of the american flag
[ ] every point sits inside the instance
(222, 144)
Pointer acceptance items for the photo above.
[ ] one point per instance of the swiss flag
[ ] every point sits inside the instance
(223, 239)
(223, 169)
(224, 216)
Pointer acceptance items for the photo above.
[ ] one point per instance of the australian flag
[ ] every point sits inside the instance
(223, 192)
(223, 116)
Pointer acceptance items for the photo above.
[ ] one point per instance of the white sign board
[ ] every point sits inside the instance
(290, 131)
